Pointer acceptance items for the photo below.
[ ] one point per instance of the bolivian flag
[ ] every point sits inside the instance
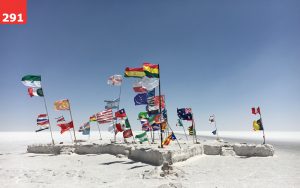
(257, 125)
(151, 70)
(134, 72)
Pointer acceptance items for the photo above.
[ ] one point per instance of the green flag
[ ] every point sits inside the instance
(143, 115)
(142, 137)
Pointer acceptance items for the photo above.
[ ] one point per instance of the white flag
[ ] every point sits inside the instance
(115, 80)
(149, 83)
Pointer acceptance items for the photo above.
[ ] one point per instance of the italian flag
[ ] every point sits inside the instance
(32, 81)
(32, 91)
(142, 137)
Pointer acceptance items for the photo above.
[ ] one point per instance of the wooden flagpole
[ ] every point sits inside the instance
(99, 130)
(194, 129)
(262, 126)
(159, 95)
(48, 115)
(75, 140)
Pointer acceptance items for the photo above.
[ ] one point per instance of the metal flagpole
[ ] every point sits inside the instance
(99, 130)
(218, 138)
(262, 126)
(185, 133)
(159, 95)
(75, 140)
(48, 116)
(194, 130)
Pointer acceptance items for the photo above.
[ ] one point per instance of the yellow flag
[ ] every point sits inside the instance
(62, 105)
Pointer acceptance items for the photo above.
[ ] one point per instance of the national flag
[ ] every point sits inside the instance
(62, 105)
(105, 116)
(256, 110)
(93, 118)
(257, 125)
(32, 81)
(41, 129)
(145, 125)
(138, 87)
(42, 120)
(120, 114)
(140, 99)
(214, 132)
(184, 114)
(65, 126)
(163, 126)
(179, 123)
(164, 113)
(152, 111)
(60, 119)
(154, 119)
(151, 70)
(142, 137)
(155, 127)
(169, 139)
(112, 104)
(127, 133)
(149, 83)
(115, 80)
(120, 127)
(162, 101)
(134, 72)
(126, 123)
(211, 119)
(191, 130)
(85, 129)
(143, 115)
(34, 91)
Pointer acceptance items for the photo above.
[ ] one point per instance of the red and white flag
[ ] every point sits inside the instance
(256, 111)
(115, 80)
(65, 126)
(105, 116)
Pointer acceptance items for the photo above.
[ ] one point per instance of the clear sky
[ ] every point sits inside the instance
(220, 57)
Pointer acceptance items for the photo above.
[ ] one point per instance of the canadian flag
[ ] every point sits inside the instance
(256, 110)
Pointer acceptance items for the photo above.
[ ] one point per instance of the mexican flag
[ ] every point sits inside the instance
(32, 91)
(32, 81)
(142, 137)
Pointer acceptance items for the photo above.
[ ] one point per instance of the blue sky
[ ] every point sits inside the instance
(220, 57)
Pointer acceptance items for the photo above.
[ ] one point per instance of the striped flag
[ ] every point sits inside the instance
(105, 116)
(42, 120)
(60, 119)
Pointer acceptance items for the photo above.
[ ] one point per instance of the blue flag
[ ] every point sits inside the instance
(85, 129)
(214, 132)
(185, 114)
(140, 99)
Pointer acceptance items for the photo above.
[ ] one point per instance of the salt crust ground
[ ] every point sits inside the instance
(21, 169)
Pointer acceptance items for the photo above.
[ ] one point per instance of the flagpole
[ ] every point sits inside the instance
(175, 136)
(262, 126)
(115, 122)
(48, 116)
(71, 136)
(159, 95)
(194, 130)
(75, 140)
(99, 130)
(218, 138)
(185, 133)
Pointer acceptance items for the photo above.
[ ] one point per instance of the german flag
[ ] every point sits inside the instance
(257, 125)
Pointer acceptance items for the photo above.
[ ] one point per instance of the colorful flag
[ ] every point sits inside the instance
(62, 105)
(120, 114)
(34, 91)
(143, 115)
(149, 83)
(155, 127)
(138, 87)
(42, 120)
(152, 111)
(32, 81)
(126, 123)
(163, 126)
(127, 133)
(60, 119)
(214, 132)
(134, 72)
(211, 119)
(41, 129)
(115, 80)
(105, 116)
(151, 70)
(142, 137)
(191, 130)
(65, 126)
(162, 101)
(179, 123)
(257, 125)
(93, 118)
(185, 114)
(169, 139)
(85, 129)
(140, 99)
(112, 104)
(256, 110)
(120, 127)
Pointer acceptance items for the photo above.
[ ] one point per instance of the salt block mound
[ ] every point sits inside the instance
(113, 149)
(147, 155)
(251, 150)
(212, 149)
(44, 149)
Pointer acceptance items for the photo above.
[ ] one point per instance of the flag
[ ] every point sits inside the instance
(155, 127)
(185, 114)
(163, 126)
(162, 101)
(152, 111)
(256, 111)
(42, 120)
(134, 72)
(179, 123)
(93, 118)
(154, 119)
(143, 115)
(105, 116)
(164, 114)
(138, 87)
(257, 125)
(60, 119)
(127, 133)
(112, 104)
(126, 123)
(211, 119)
(214, 132)
(120, 114)
(140, 99)
(120, 127)
(151, 70)
(149, 83)
(85, 129)
(115, 80)
(145, 125)
(191, 130)
(62, 105)
(142, 137)
(34, 91)
(65, 126)
(41, 129)
(169, 139)
(32, 81)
